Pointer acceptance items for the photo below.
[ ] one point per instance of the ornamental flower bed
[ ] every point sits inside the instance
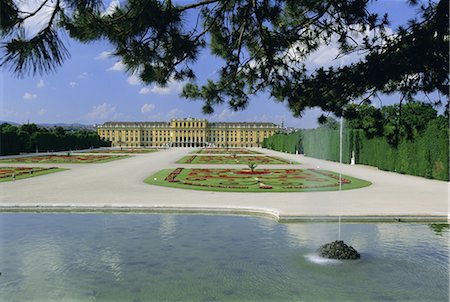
(278, 180)
(137, 151)
(79, 158)
(9, 172)
(225, 151)
(171, 176)
(190, 159)
(343, 180)
(240, 160)
(264, 186)
(249, 172)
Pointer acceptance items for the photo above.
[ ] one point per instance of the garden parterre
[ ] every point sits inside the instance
(263, 180)
(225, 151)
(132, 151)
(63, 159)
(234, 160)
(15, 173)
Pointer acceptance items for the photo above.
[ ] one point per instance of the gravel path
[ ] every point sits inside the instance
(119, 185)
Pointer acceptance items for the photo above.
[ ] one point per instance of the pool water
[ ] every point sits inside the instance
(174, 257)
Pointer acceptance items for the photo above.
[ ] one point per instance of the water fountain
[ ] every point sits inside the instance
(338, 249)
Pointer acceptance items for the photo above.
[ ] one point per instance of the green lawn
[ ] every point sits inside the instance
(6, 173)
(64, 159)
(234, 160)
(262, 180)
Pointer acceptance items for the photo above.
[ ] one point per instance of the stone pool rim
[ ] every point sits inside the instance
(265, 213)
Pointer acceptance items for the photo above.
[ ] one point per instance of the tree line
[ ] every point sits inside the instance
(32, 138)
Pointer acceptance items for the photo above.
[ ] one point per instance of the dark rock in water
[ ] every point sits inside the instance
(338, 250)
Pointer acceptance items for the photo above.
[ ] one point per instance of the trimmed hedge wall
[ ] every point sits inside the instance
(9, 144)
(324, 144)
(289, 143)
(48, 141)
(426, 156)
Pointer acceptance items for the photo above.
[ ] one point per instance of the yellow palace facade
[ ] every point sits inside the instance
(188, 132)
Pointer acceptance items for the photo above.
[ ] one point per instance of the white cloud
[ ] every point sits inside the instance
(29, 96)
(144, 90)
(83, 75)
(111, 8)
(134, 80)
(160, 90)
(103, 55)
(328, 55)
(175, 113)
(171, 88)
(42, 112)
(73, 84)
(40, 83)
(325, 55)
(118, 66)
(102, 112)
(40, 20)
(225, 114)
(147, 108)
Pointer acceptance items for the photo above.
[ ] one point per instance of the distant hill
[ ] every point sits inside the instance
(11, 123)
(69, 126)
(72, 126)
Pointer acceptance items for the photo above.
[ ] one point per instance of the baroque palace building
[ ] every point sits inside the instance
(188, 132)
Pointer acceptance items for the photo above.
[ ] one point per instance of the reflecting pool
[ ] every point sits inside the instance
(174, 257)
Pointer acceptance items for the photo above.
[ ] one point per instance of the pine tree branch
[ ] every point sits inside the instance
(195, 5)
(29, 15)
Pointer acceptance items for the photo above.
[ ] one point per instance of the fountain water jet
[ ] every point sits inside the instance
(338, 249)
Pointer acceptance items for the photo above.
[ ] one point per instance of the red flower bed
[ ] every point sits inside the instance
(343, 180)
(61, 158)
(190, 159)
(213, 186)
(265, 187)
(225, 151)
(8, 172)
(248, 172)
(173, 174)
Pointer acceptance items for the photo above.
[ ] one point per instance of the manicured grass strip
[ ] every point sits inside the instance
(6, 173)
(234, 160)
(261, 180)
(225, 151)
(64, 159)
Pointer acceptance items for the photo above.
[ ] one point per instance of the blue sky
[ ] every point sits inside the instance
(93, 88)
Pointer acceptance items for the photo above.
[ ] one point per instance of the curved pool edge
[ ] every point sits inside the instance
(261, 212)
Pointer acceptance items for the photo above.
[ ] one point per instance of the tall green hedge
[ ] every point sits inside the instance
(427, 155)
(289, 143)
(9, 144)
(323, 143)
